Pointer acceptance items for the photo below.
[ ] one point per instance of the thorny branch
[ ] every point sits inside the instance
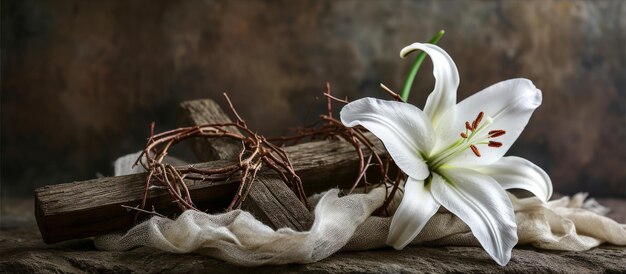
(256, 152)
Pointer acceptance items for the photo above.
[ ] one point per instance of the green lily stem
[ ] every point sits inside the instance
(406, 89)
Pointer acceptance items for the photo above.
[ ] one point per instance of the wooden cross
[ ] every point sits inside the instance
(95, 207)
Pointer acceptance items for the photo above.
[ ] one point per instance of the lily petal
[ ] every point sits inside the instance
(414, 211)
(482, 204)
(515, 172)
(509, 103)
(443, 96)
(403, 128)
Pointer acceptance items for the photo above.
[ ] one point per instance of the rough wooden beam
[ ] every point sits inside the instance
(270, 199)
(202, 112)
(87, 208)
(272, 202)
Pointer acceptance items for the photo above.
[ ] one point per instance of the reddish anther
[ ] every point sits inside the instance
(463, 135)
(475, 150)
(479, 118)
(494, 144)
(496, 133)
(468, 126)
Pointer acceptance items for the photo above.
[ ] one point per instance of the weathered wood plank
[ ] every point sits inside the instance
(270, 200)
(202, 112)
(93, 207)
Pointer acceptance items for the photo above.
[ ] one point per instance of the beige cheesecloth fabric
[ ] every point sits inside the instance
(344, 223)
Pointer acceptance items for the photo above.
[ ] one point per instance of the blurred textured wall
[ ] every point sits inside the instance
(81, 80)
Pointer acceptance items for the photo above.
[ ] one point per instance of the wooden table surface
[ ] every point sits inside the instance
(22, 250)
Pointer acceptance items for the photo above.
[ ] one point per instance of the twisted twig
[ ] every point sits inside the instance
(256, 151)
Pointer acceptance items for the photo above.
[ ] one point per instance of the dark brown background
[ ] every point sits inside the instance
(81, 80)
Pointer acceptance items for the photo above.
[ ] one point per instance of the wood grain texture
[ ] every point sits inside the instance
(93, 207)
(21, 251)
(270, 200)
(205, 111)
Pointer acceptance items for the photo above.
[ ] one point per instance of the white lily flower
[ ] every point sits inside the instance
(453, 154)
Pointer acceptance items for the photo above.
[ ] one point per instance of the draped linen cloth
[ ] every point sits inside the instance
(345, 224)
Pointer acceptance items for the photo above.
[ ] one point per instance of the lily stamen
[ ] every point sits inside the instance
(496, 133)
(478, 119)
(467, 141)
(475, 150)
(494, 144)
